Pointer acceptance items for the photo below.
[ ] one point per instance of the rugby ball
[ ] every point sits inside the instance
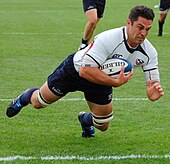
(113, 66)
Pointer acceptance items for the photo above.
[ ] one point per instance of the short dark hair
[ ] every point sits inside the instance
(141, 11)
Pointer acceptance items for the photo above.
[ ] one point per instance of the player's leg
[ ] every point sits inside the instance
(43, 97)
(39, 98)
(21, 101)
(101, 112)
(163, 10)
(90, 9)
(100, 116)
(161, 22)
(56, 87)
(90, 25)
(94, 11)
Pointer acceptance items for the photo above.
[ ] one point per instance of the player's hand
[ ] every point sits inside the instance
(122, 79)
(154, 91)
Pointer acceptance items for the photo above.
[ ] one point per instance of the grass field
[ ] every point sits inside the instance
(35, 36)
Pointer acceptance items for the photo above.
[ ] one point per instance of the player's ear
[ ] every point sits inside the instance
(128, 21)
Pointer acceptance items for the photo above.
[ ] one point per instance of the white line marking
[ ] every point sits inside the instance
(47, 158)
(37, 33)
(82, 99)
(33, 11)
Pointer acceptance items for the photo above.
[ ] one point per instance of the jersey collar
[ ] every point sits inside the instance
(131, 50)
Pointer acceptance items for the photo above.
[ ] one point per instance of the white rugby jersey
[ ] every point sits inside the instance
(113, 44)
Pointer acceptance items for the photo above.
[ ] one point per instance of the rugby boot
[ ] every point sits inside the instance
(82, 46)
(88, 131)
(17, 104)
(10, 109)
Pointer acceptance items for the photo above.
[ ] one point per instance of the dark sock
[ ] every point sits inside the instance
(87, 119)
(84, 41)
(161, 25)
(24, 98)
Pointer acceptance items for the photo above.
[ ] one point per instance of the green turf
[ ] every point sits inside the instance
(35, 36)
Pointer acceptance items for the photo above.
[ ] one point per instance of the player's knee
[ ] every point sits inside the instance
(93, 23)
(102, 122)
(36, 105)
(38, 101)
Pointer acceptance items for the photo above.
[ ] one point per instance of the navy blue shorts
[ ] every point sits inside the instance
(66, 79)
(95, 4)
(164, 5)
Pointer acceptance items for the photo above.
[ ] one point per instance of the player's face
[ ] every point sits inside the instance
(138, 30)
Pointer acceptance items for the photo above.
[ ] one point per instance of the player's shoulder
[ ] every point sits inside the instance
(114, 31)
(113, 35)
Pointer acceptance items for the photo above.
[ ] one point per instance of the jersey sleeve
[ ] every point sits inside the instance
(151, 69)
(153, 59)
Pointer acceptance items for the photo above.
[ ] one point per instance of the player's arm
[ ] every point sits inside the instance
(95, 75)
(154, 89)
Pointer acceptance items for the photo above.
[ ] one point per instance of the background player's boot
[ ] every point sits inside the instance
(82, 46)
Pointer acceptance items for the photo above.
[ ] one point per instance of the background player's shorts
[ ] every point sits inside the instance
(66, 79)
(95, 4)
(164, 6)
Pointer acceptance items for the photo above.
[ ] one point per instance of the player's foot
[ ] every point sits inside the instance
(14, 107)
(82, 46)
(88, 131)
(160, 33)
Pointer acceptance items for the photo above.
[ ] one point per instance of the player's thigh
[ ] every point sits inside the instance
(100, 110)
(99, 98)
(47, 94)
(43, 95)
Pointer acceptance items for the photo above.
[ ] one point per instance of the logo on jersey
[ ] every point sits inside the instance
(139, 61)
(117, 56)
